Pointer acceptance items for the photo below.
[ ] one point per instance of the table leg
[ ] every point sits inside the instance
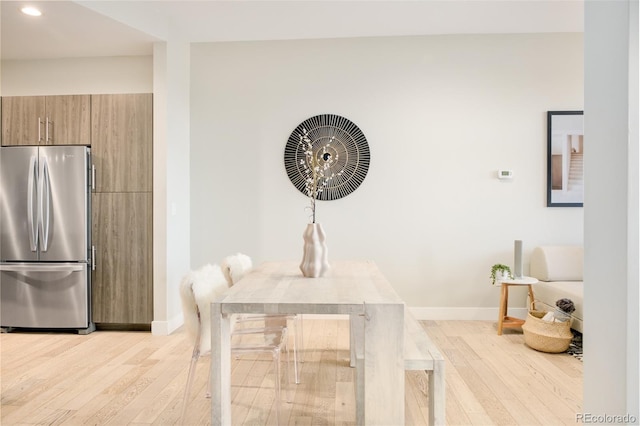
(437, 393)
(384, 364)
(504, 297)
(220, 367)
(356, 341)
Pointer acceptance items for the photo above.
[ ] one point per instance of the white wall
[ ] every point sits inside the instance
(441, 113)
(171, 205)
(74, 76)
(612, 248)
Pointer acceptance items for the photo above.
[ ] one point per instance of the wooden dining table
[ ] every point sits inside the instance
(354, 288)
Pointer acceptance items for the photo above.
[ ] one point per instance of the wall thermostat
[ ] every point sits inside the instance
(505, 174)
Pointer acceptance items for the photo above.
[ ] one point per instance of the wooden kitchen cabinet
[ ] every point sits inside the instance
(122, 210)
(122, 142)
(122, 280)
(46, 120)
(119, 129)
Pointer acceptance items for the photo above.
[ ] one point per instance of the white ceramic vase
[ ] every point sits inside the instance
(315, 261)
(501, 276)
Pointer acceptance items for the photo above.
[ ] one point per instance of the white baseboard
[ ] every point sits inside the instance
(481, 314)
(424, 314)
(165, 328)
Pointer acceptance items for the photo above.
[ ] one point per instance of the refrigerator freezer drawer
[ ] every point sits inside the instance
(44, 296)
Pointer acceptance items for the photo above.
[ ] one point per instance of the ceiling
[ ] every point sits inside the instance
(122, 28)
(65, 29)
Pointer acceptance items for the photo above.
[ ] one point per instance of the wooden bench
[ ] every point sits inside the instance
(420, 354)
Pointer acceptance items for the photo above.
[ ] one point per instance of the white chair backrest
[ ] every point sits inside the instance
(198, 290)
(189, 307)
(234, 267)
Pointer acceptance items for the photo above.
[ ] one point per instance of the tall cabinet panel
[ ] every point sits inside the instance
(46, 120)
(122, 141)
(122, 280)
(121, 144)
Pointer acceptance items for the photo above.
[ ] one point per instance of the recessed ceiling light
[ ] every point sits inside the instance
(31, 11)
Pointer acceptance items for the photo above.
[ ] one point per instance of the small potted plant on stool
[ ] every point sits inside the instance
(500, 272)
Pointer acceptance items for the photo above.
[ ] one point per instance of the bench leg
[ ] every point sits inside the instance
(359, 391)
(437, 394)
(356, 336)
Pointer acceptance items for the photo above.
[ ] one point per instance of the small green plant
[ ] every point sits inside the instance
(499, 267)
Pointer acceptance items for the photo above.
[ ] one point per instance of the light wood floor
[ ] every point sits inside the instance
(134, 378)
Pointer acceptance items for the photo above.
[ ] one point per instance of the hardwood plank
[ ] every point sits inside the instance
(155, 397)
(343, 354)
(258, 404)
(456, 412)
(134, 378)
(511, 373)
(325, 380)
(459, 389)
(344, 406)
(305, 391)
(415, 397)
(490, 403)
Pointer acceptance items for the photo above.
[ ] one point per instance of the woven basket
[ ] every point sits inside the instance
(543, 336)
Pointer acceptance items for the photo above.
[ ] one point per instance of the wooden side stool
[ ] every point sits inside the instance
(503, 319)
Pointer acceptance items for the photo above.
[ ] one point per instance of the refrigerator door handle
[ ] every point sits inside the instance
(39, 130)
(46, 130)
(45, 205)
(29, 267)
(32, 204)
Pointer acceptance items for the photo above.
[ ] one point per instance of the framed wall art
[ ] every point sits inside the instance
(565, 149)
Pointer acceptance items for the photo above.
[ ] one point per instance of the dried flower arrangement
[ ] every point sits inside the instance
(316, 166)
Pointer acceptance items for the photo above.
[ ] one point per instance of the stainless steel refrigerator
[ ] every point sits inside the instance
(45, 237)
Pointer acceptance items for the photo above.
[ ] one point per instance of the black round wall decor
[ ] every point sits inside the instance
(333, 147)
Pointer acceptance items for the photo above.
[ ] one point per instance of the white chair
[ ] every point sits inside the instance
(234, 267)
(198, 290)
